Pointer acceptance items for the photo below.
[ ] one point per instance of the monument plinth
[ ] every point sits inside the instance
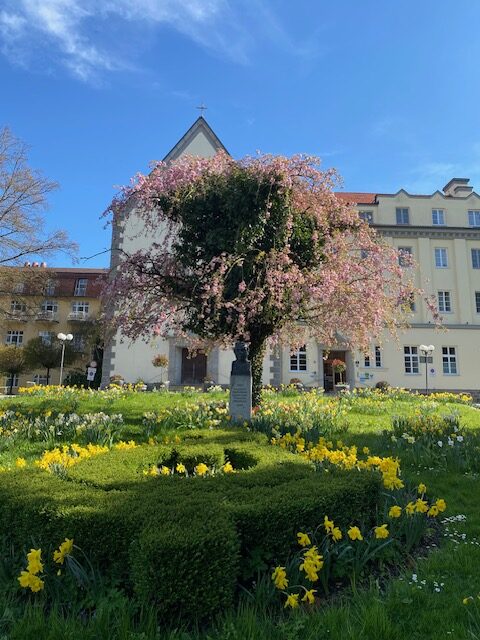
(241, 384)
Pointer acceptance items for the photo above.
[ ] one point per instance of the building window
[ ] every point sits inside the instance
(405, 256)
(477, 301)
(80, 307)
(438, 217)
(402, 216)
(78, 342)
(46, 336)
(298, 359)
(18, 307)
(14, 337)
(476, 258)
(410, 355)
(378, 356)
(366, 361)
(40, 378)
(441, 257)
(444, 302)
(50, 288)
(366, 216)
(19, 287)
(11, 383)
(449, 360)
(80, 287)
(50, 306)
(474, 218)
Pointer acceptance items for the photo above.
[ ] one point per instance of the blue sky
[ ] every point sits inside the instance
(388, 93)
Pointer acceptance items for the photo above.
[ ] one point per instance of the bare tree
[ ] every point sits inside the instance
(23, 201)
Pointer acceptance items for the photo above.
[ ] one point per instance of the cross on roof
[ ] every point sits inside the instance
(202, 108)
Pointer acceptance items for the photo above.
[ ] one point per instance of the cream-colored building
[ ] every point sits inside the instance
(68, 303)
(442, 233)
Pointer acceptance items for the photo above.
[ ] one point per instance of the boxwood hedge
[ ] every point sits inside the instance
(183, 543)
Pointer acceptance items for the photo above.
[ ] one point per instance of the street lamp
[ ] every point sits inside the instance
(63, 338)
(427, 358)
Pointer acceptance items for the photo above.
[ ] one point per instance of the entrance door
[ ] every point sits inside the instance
(331, 378)
(194, 370)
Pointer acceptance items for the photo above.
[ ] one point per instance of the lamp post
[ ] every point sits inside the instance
(427, 358)
(63, 338)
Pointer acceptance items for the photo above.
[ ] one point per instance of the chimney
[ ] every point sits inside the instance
(458, 188)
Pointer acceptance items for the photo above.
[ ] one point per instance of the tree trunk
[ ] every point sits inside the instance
(10, 392)
(256, 354)
(48, 376)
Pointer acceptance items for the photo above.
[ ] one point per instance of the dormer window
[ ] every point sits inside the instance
(80, 287)
(403, 216)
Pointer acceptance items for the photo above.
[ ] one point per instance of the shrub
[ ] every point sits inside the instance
(382, 385)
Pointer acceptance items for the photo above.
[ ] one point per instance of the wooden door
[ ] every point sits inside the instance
(194, 370)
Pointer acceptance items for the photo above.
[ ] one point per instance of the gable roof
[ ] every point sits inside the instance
(199, 127)
(357, 197)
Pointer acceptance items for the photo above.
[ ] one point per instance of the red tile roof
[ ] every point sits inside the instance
(357, 197)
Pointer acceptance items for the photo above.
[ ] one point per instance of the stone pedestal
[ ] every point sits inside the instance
(241, 385)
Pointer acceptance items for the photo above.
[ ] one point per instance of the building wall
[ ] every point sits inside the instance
(64, 320)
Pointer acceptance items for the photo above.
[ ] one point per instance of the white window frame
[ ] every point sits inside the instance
(378, 356)
(14, 333)
(81, 285)
(47, 337)
(50, 288)
(402, 215)
(298, 360)
(475, 260)
(473, 218)
(411, 360)
(444, 301)
(366, 216)
(16, 306)
(40, 379)
(78, 342)
(49, 306)
(402, 254)
(441, 257)
(15, 381)
(438, 217)
(81, 306)
(449, 361)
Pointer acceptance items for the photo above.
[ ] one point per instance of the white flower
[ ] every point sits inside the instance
(414, 577)
(460, 438)
(393, 439)
(450, 442)
(440, 443)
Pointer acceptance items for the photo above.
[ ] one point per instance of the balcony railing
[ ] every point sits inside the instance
(78, 316)
(18, 316)
(47, 316)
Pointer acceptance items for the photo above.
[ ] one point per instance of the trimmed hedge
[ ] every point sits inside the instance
(182, 543)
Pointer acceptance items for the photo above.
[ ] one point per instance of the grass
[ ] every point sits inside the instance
(398, 609)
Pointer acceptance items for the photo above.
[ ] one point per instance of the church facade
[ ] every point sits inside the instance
(442, 233)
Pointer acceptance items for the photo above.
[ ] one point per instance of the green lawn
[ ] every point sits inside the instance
(423, 600)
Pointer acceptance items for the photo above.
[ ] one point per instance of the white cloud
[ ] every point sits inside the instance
(67, 30)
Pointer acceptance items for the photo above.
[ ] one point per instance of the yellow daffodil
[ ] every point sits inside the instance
(228, 468)
(20, 463)
(336, 534)
(30, 581)
(354, 533)
(180, 468)
(165, 471)
(410, 508)
(421, 506)
(65, 549)
(309, 596)
(366, 450)
(395, 511)
(441, 505)
(467, 600)
(201, 469)
(422, 489)
(279, 577)
(433, 511)
(303, 539)
(328, 524)
(291, 601)
(381, 532)
(35, 561)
